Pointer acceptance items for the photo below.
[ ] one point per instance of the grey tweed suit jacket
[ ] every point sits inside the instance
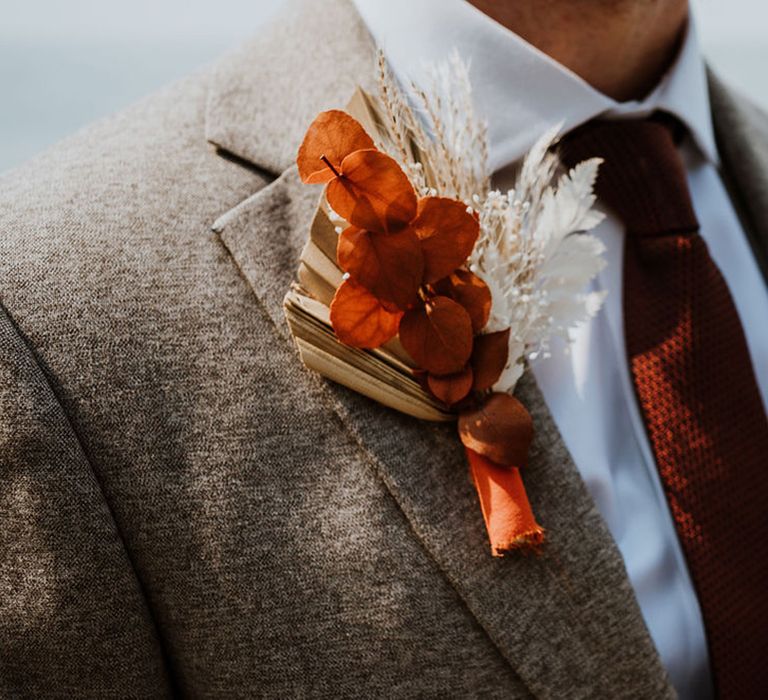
(185, 510)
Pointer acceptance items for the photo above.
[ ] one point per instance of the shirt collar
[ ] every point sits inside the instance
(520, 90)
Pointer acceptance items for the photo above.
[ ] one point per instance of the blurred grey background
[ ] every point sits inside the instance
(64, 64)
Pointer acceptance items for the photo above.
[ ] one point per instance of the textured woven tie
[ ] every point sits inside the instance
(696, 389)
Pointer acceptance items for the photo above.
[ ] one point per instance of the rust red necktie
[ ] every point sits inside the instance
(696, 389)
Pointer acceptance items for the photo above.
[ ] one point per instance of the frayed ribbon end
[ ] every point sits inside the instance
(527, 543)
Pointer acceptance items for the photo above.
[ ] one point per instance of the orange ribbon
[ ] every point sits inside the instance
(509, 519)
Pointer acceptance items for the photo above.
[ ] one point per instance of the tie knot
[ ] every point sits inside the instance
(642, 178)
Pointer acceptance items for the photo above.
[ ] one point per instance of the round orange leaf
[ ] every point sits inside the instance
(373, 192)
(448, 233)
(333, 134)
(501, 429)
(489, 357)
(438, 336)
(451, 388)
(390, 265)
(471, 292)
(359, 319)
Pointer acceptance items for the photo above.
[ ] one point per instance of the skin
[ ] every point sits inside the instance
(620, 47)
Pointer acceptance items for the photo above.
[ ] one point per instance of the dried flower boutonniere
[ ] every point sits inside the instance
(440, 288)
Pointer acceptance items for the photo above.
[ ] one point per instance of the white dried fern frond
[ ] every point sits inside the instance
(537, 260)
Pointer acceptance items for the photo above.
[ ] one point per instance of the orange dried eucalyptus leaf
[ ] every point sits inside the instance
(489, 357)
(373, 192)
(390, 265)
(448, 233)
(471, 292)
(438, 336)
(333, 134)
(359, 319)
(500, 429)
(451, 388)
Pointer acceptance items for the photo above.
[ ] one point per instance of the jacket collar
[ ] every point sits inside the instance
(741, 130)
(264, 95)
(565, 620)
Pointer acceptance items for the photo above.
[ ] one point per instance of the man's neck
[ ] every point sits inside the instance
(620, 47)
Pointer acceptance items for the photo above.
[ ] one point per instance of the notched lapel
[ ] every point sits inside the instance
(567, 621)
(265, 94)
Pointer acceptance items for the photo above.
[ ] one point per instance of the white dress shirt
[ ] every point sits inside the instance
(521, 92)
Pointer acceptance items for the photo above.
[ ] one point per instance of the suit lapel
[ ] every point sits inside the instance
(741, 130)
(566, 620)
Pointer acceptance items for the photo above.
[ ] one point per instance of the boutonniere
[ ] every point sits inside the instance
(427, 290)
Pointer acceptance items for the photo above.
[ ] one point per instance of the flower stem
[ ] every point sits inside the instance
(325, 160)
